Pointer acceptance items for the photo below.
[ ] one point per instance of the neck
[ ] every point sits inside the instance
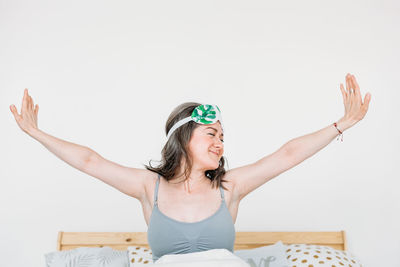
(195, 180)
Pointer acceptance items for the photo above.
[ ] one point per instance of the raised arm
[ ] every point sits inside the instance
(130, 181)
(250, 177)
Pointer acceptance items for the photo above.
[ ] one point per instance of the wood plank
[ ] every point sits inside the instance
(289, 237)
(93, 238)
(118, 247)
(244, 240)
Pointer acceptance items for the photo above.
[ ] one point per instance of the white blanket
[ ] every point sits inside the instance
(210, 258)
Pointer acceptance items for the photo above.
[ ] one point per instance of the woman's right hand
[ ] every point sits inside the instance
(27, 120)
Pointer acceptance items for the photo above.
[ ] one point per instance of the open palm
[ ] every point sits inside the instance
(355, 109)
(28, 118)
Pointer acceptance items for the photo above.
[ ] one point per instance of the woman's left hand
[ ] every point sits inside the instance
(355, 109)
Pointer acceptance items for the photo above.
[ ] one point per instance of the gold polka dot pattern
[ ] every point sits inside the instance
(139, 256)
(304, 255)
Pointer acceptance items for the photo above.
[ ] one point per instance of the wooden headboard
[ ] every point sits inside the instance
(244, 240)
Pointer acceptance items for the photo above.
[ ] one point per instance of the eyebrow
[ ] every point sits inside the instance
(209, 127)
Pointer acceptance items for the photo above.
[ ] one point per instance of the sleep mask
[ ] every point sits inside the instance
(203, 114)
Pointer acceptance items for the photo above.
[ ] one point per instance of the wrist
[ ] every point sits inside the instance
(344, 124)
(33, 132)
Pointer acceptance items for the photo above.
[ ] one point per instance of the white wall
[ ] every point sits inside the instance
(106, 74)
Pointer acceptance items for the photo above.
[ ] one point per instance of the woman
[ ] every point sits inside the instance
(189, 201)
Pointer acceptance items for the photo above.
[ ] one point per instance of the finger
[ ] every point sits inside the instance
(348, 86)
(24, 101)
(355, 84)
(14, 111)
(344, 94)
(367, 99)
(30, 102)
(36, 109)
(357, 92)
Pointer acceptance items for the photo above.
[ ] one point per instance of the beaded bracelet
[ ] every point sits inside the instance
(340, 132)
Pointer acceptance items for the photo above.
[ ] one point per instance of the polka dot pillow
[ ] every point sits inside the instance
(303, 255)
(139, 256)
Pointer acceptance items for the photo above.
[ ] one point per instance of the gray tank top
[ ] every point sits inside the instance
(169, 236)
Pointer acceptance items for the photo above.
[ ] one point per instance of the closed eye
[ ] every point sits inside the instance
(214, 135)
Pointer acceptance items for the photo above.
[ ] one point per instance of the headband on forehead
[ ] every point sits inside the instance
(203, 114)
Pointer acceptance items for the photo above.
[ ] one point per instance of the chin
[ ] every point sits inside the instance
(215, 166)
(211, 167)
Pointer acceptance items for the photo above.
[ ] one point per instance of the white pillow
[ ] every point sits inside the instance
(272, 255)
(207, 258)
(139, 256)
(88, 257)
(214, 254)
(313, 255)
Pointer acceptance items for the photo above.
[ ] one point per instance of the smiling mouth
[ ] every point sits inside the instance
(214, 153)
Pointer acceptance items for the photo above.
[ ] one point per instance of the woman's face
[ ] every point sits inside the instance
(206, 146)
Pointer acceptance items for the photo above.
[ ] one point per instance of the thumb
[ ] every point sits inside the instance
(14, 112)
(365, 105)
(367, 98)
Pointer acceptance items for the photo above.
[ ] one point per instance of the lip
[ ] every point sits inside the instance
(215, 153)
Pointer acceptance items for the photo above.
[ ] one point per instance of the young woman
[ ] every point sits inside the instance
(189, 201)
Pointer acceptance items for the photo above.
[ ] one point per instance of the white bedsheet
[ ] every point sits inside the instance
(209, 258)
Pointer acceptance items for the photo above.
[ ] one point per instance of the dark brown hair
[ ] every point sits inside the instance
(176, 148)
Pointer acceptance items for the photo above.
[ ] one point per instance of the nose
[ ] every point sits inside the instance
(218, 143)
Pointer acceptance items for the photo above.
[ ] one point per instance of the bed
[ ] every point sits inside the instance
(298, 249)
(244, 240)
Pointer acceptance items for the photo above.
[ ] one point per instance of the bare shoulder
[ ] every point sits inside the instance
(231, 195)
(149, 182)
(150, 178)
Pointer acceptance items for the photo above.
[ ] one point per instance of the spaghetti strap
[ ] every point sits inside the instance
(222, 193)
(156, 191)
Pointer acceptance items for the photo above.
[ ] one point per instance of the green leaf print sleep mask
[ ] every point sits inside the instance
(203, 114)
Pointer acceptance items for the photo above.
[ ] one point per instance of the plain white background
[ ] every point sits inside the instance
(106, 74)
